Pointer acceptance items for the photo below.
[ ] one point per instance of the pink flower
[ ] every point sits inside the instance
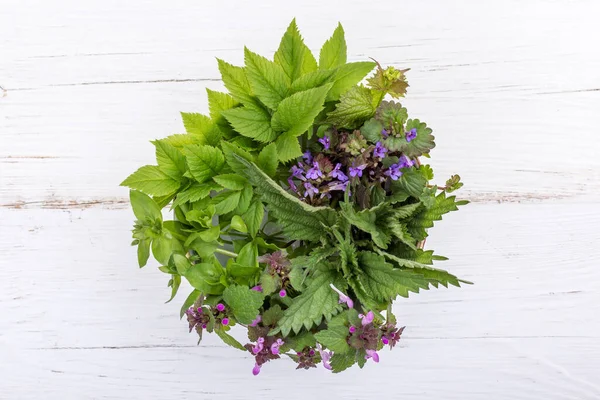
(372, 354)
(256, 320)
(325, 356)
(258, 346)
(256, 369)
(275, 346)
(367, 319)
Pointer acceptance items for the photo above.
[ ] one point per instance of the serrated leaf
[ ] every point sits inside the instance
(334, 338)
(371, 130)
(318, 301)
(267, 159)
(254, 217)
(230, 150)
(342, 361)
(151, 180)
(292, 52)
(219, 102)
(424, 219)
(355, 107)
(237, 83)
(312, 80)
(272, 315)
(348, 75)
(297, 219)
(170, 160)
(251, 122)
(180, 140)
(420, 145)
(201, 125)
(231, 181)
(297, 112)
(204, 162)
(384, 283)
(400, 231)
(267, 79)
(227, 202)
(197, 191)
(412, 182)
(246, 197)
(366, 220)
(244, 302)
(333, 52)
(288, 147)
(393, 117)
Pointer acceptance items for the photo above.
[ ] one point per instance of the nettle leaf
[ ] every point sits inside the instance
(151, 180)
(202, 126)
(348, 75)
(253, 217)
(333, 52)
(412, 182)
(318, 301)
(144, 208)
(355, 106)
(421, 221)
(237, 83)
(267, 79)
(400, 232)
(252, 122)
(231, 181)
(298, 220)
(170, 160)
(204, 162)
(267, 159)
(288, 147)
(334, 338)
(422, 143)
(366, 220)
(292, 53)
(312, 80)
(244, 302)
(382, 282)
(297, 113)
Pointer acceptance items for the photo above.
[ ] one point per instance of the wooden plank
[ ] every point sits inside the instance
(79, 317)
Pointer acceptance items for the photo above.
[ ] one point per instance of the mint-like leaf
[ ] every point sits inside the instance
(334, 338)
(244, 302)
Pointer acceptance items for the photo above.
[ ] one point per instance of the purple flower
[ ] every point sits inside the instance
(385, 340)
(379, 150)
(307, 156)
(394, 172)
(225, 321)
(257, 320)
(357, 171)
(297, 172)
(292, 184)
(314, 172)
(257, 348)
(367, 319)
(343, 297)
(385, 133)
(282, 293)
(220, 307)
(325, 142)
(275, 346)
(405, 162)
(256, 369)
(338, 174)
(335, 185)
(391, 334)
(410, 135)
(310, 190)
(325, 357)
(352, 329)
(372, 354)
(257, 288)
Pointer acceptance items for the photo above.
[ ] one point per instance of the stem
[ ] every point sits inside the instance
(226, 253)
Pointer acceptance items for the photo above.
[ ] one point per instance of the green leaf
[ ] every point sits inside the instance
(318, 301)
(400, 231)
(334, 338)
(297, 219)
(169, 159)
(230, 150)
(348, 75)
(267, 159)
(143, 252)
(204, 162)
(288, 147)
(174, 285)
(371, 130)
(151, 180)
(390, 80)
(355, 107)
(144, 208)
(254, 217)
(236, 82)
(333, 52)
(244, 302)
(420, 145)
(424, 219)
(251, 122)
(246, 197)
(163, 246)
(453, 183)
(342, 361)
(292, 53)
(197, 191)
(412, 182)
(248, 255)
(231, 181)
(393, 117)
(367, 221)
(189, 301)
(267, 79)
(205, 278)
(201, 125)
(237, 223)
(312, 80)
(217, 103)
(297, 113)
(229, 340)
(269, 283)
(227, 202)
(272, 315)
(180, 140)
(384, 283)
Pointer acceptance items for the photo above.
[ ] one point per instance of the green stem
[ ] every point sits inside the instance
(226, 253)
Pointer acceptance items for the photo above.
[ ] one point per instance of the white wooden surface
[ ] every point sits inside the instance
(512, 91)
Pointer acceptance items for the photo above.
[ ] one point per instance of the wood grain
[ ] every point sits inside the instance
(511, 90)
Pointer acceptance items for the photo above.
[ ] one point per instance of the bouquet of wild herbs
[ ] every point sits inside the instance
(300, 204)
